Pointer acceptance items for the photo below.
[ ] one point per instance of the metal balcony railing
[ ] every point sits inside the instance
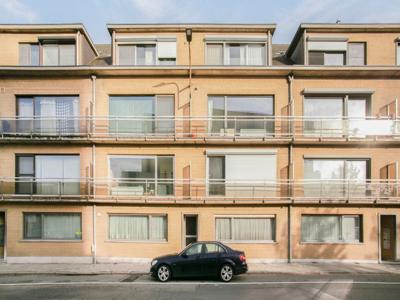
(143, 189)
(231, 127)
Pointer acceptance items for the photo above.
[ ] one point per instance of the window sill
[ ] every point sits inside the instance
(249, 242)
(137, 242)
(50, 241)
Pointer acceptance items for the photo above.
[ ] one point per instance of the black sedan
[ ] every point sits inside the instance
(200, 259)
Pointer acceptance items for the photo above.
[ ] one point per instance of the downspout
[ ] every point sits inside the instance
(290, 80)
(93, 105)
(190, 88)
(94, 244)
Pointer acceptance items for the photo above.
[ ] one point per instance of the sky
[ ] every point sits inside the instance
(287, 14)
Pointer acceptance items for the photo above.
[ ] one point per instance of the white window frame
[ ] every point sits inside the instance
(149, 216)
(341, 240)
(232, 217)
(225, 56)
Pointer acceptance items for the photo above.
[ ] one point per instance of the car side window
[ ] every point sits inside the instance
(195, 249)
(214, 248)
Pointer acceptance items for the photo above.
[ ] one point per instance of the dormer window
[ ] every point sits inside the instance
(48, 52)
(146, 52)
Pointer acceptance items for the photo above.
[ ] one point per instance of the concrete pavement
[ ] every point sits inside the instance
(141, 268)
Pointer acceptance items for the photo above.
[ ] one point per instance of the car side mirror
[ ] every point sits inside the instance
(184, 255)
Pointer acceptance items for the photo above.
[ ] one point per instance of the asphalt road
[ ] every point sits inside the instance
(262, 286)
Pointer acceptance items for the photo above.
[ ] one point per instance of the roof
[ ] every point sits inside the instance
(340, 27)
(209, 27)
(48, 28)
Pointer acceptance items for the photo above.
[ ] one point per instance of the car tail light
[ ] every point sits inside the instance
(242, 257)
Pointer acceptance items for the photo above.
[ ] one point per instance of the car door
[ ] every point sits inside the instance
(210, 257)
(188, 264)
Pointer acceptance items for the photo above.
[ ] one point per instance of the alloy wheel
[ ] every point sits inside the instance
(163, 273)
(226, 273)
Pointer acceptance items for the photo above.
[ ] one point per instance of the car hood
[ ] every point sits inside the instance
(168, 256)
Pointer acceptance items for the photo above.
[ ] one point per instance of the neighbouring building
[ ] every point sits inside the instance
(174, 133)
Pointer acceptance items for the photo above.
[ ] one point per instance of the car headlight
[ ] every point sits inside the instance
(153, 262)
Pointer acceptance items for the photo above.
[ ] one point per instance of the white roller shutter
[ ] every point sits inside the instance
(251, 167)
(327, 46)
(166, 49)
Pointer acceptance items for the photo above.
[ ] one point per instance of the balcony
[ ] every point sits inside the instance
(200, 191)
(207, 129)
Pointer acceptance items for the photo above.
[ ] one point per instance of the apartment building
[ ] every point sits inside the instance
(174, 133)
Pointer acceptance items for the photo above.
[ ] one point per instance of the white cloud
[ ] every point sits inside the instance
(18, 10)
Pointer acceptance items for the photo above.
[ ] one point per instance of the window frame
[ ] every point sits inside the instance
(25, 238)
(233, 241)
(30, 54)
(331, 52)
(139, 43)
(341, 240)
(149, 217)
(225, 47)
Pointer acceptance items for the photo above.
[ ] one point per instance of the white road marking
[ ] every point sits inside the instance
(199, 283)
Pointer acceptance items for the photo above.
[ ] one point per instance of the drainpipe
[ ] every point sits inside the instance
(94, 246)
(94, 234)
(93, 104)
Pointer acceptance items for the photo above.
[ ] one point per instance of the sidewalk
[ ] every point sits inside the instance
(137, 268)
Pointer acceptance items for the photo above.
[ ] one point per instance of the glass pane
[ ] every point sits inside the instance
(190, 240)
(50, 55)
(67, 55)
(25, 170)
(351, 228)
(253, 229)
(216, 175)
(25, 165)
(237, 54)
(315, 58)
(126, 55)
(256, 54)
(213, 248)
(25, 115)
(165, 112)
(356, 171)
(62, 227)
(32, 226)
(132, 228)
(356, 54)
(34, 55)
(216, 111)
(357, 111)
(320, 228)
(132, 175)
(214, 54)
(223, 229)
(24, 54)
(132, 115)
(248, 112)
(334, 59)
(191, 225)
(158, 228)
(165, 175)
(323, 116)
(194, 250)
(146, 54)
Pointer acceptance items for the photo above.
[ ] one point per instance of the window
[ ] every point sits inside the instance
(331, 228)
(242, 175)
(241, 115)
(142, 175)
(141, 115)
(48, 174)
(147, 54)
(138, 227)
(52, 115)
(398, 53)
(339, 177)
(194, 250)
(52, 226)
(213, 248)
(62, 54)
(236, 54)
(324, 115)
(245, 228)
(356, 54)
(28, 54)
(327, 58)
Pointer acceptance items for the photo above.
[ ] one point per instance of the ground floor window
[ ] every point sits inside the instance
(53, 226)
(240, 228)
(331, 228)
(138, 227)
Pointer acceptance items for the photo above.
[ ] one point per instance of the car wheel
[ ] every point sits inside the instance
(163, 273)
(226, 273)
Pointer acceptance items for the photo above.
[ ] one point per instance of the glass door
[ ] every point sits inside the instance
(190, 229)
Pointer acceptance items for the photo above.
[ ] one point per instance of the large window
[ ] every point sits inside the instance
(142, 115)
(52, 226)
(138, 227)
(243, 228)
(325, 115)
(331, 228)
(242, 175)
(335, 177)
(48, 53)
(53, 115)
(241, 115)
(48, 174)
(236, 54)
(147, 54)
(142, 175)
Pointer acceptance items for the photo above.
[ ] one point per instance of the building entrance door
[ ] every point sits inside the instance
(388, 238)
(190, 229)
